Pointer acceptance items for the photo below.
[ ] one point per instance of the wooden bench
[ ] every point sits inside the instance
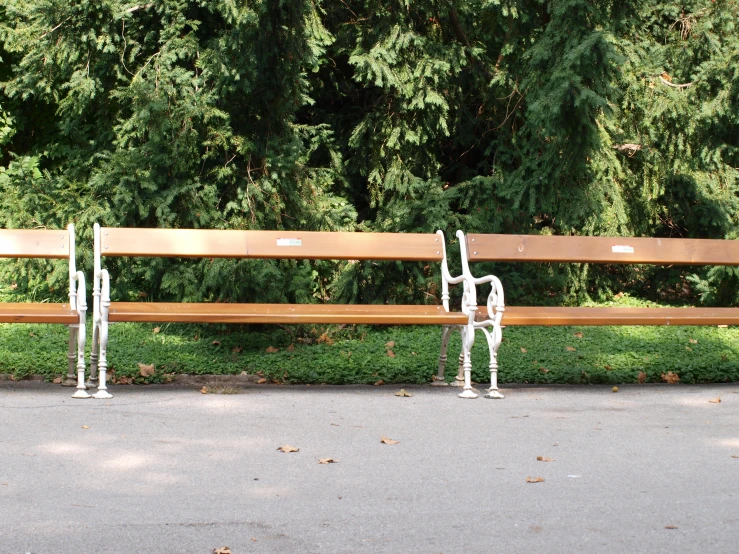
(266, 244)
(600, 250)
(51, 244)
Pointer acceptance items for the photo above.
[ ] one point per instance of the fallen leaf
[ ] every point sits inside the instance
(571, 349)
(693, 341)
(254, 539)
(734, 456)
(543, 370)
(85, 426)
(619, 295)
(402, 392)
(327, 461)
(196, 338)
(380, 382)
(670, 377)
(204, 390)
(216, 343)
(124, 380)
(614, 389)
(642, 377)
(390, 344)
(387, 440)
(146, 370)
(288, 448)
(607, 367)
(324, 338)
(57, 381)
(666, 77)
(14, 286)
(391, 354)
(670, 526)
(688, 348)
(31, 334)
(716, 400)
(222, 550)
(534, 479)
(236, 349)
(290, 348)
(261, 381)
(578, 335)
(272, 349)
(722, 326)
(155, 330)
(543, 459)
(524, 350)
(414, 354)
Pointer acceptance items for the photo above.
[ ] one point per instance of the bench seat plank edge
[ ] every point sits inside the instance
(21, 312)
(174, 312)
(556, 316)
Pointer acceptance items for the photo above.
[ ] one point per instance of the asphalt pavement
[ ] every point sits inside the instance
(166, 469)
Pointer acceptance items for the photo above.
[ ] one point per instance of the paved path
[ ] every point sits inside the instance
(165, 469)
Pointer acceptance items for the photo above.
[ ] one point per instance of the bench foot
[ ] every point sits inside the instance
(439, 384)
(494, 394)
(102, 395)
(91, 383)
(80, 393)
(468, 393)
(69, 382)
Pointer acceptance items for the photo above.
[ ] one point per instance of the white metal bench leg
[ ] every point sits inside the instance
(70, 380)
(81, 392)
(446, 333)
(95, 348)
(468, 339)
(493, 344)
(102, 392)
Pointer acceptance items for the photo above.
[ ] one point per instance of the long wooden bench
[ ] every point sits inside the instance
(599, 250)
(267, 244)
(51, 244)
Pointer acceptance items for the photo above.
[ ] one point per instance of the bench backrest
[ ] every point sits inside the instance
(205, 243)
(35, 243)
(612, 250)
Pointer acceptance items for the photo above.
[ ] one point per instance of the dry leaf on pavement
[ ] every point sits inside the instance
(543, 459)
(670, 377)
(327, 461)
(402, 392)
(716, 400)
(534, 479)
(670, 526)
(261, 381)
(57, 381)
(388, 440)
(288, 448)
(204, 390)
(222, 550)
(146, 370)
(85, 426)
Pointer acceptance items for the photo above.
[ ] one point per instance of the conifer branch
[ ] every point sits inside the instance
(673, 85)
(141, 7)
(462, 37)
(54, 29)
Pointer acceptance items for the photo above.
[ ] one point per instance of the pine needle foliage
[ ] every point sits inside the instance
(588, 117)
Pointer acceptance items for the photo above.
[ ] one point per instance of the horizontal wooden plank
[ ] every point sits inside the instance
(210, 243)
(14, 312)
(162, 312)
(34, 243)
(631, 250)
(551, 316)
(344, 246)
(195, 243)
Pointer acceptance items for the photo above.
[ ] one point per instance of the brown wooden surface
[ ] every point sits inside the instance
(538, 248)
(551, 316)
(345, 246)
(196, 243)
(11, 312)
(283, 313)
(34, 243)
(269, 244)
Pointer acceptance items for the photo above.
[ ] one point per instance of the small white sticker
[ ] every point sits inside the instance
(289, 242)
(620, 249)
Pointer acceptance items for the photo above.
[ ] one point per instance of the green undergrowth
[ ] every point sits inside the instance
(363, 355)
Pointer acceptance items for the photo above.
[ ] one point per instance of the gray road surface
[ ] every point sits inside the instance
(165, 469)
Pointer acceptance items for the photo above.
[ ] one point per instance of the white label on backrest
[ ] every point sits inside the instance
(289, 242)
(620, 249)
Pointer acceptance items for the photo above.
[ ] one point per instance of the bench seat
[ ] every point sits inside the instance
(551, 316)
(21, 312)
(379, 314)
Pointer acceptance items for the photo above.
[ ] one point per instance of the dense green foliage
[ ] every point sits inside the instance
(555, 116)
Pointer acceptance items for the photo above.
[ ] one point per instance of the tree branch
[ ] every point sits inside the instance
(669, 84)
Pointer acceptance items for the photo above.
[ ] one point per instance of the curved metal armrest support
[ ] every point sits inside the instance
(80, 295)
(105, 294)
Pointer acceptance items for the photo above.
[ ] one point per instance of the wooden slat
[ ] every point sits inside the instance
(538, 248)
(162, 312)
(551, 316)
(344, 246)
(34, 243)
(12, 312)
(196, 243)
(269, 244)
